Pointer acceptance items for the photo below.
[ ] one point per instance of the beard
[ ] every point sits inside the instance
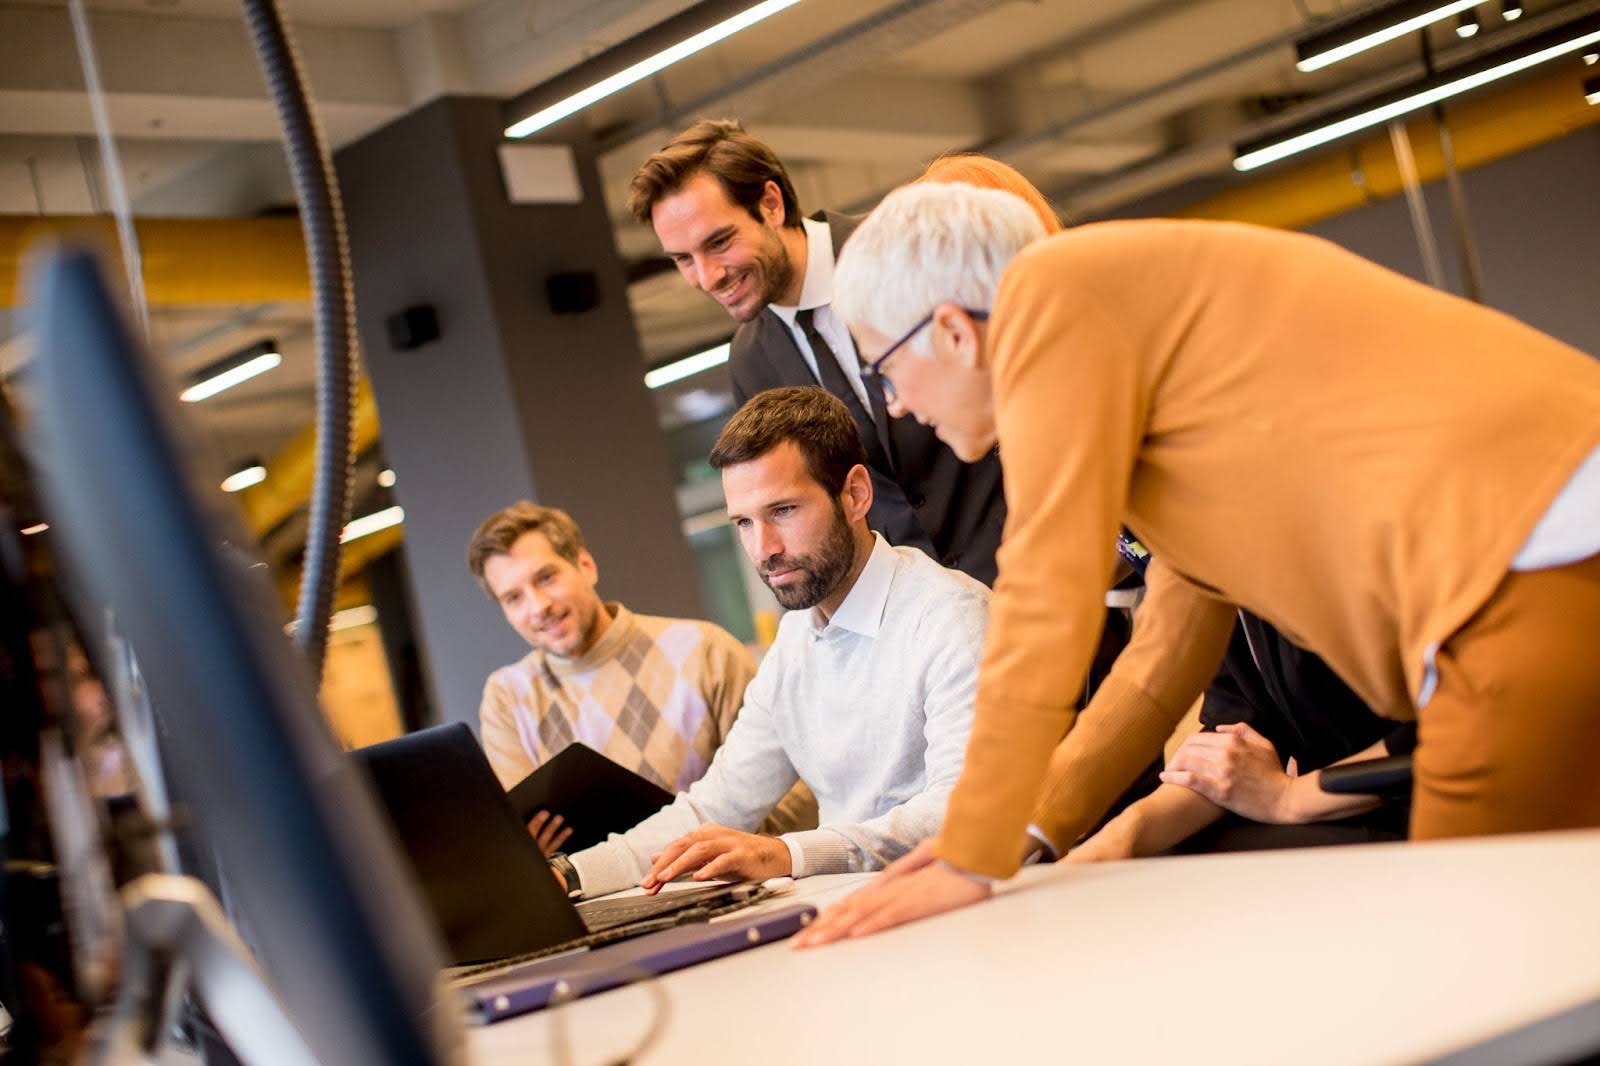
(585, 621)
(824, 568)
(772, 272)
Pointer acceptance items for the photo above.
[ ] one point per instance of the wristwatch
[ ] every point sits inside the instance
(569, 873)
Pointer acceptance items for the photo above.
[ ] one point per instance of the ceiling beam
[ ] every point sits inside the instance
(801, 72)
(1212, 157)
(513, 45)
(1069, 48)
(1050, 134)
(177, 78)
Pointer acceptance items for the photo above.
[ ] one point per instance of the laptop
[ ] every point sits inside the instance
(495, 898)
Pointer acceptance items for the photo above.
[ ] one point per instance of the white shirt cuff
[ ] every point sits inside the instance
(1048, 852)
(606, 867)
(820, 851)
(978, 879)
(797, 857)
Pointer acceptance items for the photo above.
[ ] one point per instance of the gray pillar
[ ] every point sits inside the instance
(513, 400)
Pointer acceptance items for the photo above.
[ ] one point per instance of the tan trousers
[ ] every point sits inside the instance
(1510, 741)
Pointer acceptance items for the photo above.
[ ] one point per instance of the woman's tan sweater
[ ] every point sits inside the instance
(1351, 455)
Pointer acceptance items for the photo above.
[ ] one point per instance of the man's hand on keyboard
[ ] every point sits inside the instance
(713, 852)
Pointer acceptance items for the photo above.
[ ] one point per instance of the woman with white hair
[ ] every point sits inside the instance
(1403, 482)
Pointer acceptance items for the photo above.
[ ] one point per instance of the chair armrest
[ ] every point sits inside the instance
(1377, 777)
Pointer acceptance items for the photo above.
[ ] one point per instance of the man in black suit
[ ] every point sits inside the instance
(725, 212)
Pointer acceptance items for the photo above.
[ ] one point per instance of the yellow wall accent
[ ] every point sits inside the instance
(186, 261)
(353, 559)
(288, 483)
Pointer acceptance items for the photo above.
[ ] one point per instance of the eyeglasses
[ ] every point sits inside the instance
(874, 371)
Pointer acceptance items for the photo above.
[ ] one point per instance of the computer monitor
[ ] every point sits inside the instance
(154, 549)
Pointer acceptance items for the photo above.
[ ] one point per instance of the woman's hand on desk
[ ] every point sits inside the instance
(715, 851)
(915, 886)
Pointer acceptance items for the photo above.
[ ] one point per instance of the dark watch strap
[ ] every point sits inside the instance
(569, 874)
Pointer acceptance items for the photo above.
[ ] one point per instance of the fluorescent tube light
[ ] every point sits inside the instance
(243, 479)
(1425, 93)
(1352, 38)
(351, 617)
(561, 109)
(368, 524)
(687, 367)
(234, 375)
(32, 530)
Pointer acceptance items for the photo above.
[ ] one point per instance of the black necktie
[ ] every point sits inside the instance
(833, 378)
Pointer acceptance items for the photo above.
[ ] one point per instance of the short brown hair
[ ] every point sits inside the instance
(508, 525)
(818, 423)
(721, 148)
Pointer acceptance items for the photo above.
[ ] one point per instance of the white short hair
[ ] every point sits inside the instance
(926, 244)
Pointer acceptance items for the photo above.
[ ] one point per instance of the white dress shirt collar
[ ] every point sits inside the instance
(817, 289)
(863, 606)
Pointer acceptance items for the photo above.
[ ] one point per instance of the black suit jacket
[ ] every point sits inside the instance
(923, 495)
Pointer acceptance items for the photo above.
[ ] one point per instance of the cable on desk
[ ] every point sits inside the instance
(660, 1013)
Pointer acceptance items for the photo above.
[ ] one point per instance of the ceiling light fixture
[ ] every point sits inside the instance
(224, 374)
(1468, 25)
(1353, 36)
(253, 474)
(1425, 92)
(351, 617)
(571, 104)
(33, 530)
(688, 366)
(386, 479)
(1591, 58)
(369, 524)
(1511, 10)
(1591, 93)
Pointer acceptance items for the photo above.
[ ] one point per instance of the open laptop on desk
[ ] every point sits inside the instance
(491, 889)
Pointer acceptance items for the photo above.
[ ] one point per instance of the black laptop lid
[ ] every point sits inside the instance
(491, 890)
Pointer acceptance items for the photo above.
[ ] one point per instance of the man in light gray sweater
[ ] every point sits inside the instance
(866, 694)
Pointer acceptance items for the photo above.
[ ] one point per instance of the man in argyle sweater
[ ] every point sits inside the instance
(656, 695)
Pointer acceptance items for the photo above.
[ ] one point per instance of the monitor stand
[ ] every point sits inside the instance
(177, 939)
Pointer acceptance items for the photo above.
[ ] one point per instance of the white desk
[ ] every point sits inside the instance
(1372, 954)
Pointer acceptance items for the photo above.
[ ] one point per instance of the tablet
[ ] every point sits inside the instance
(594, 796)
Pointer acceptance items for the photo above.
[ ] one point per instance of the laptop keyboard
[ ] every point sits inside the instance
(601, 914)
(611, 933)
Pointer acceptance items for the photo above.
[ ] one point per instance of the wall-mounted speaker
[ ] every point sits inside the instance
(572, 293)
(413, 327)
